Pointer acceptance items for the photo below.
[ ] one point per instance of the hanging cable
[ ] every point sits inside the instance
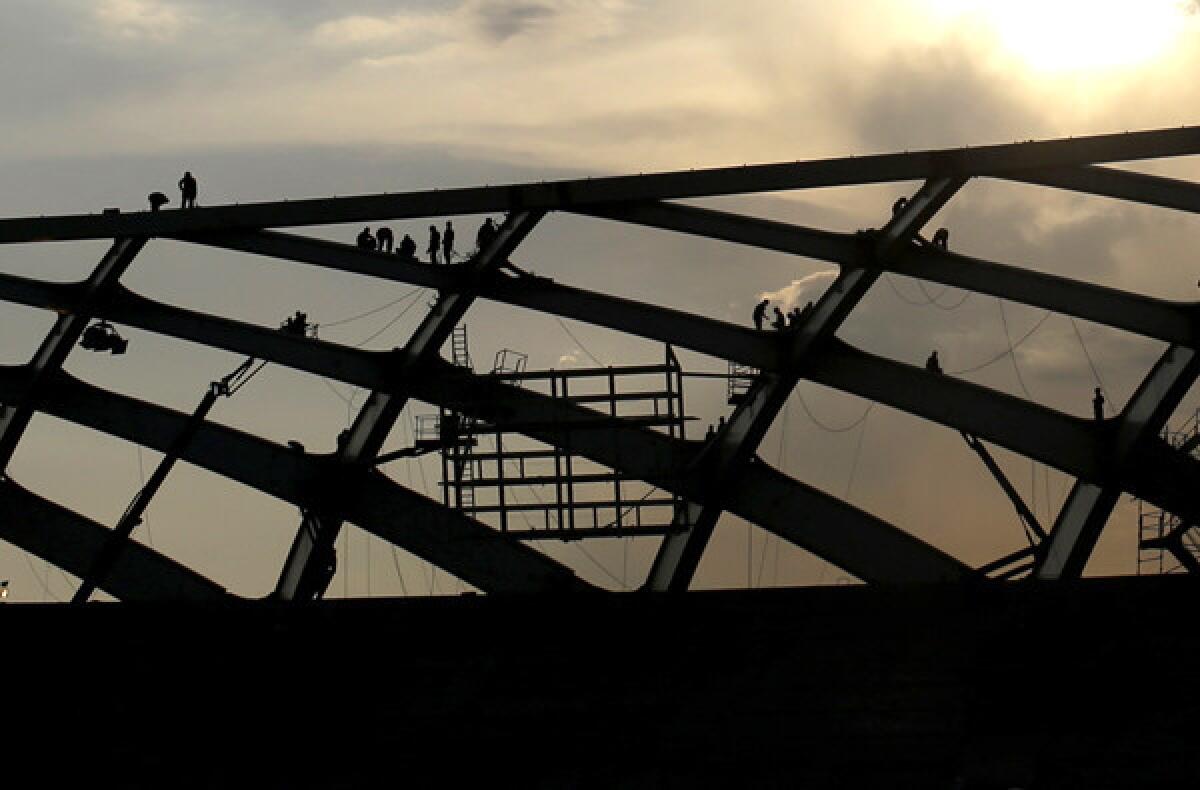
(1011, 347)
(857, 452)
(1090, 361)
(830, 428)
(391, 323)
(582, 347)
(371, 312)
(929, 299)
(1012, 351)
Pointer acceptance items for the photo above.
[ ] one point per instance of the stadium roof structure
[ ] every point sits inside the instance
(1106, 457)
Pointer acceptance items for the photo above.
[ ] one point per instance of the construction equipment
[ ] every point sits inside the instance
(103, 336)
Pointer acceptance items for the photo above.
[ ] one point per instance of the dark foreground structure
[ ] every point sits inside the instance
(1062, 685)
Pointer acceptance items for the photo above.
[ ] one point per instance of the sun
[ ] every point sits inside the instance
(1077, 35)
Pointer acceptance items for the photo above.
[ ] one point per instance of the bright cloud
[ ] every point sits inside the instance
(150, 20)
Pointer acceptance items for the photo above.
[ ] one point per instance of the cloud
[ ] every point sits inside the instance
(142, 20)
(796, 293)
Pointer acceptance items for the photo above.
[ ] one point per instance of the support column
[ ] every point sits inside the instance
(308, 568)
(1090, 504)
(680, 553)
(16, 414)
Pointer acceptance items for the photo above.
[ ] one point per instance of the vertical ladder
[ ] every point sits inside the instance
(460, 354)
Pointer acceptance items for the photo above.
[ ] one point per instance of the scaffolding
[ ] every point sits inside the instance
(1165, 544)
(533, 490)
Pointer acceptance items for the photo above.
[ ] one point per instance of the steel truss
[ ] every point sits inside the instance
(1119, 454)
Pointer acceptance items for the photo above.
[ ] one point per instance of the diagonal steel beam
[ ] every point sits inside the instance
(1090, 503)
(1120, 184)
(17, 410)
(680, 553)
(464, 547)
(1173, 322)
(307, 570)
(909, 166)
(1071, 444)
(71, 542)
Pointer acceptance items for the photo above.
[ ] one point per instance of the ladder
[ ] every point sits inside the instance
(460, 353)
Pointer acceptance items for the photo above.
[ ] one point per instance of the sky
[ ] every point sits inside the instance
(104, 101)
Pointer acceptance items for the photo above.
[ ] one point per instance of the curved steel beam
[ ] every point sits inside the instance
(1119, 184)
(913, 166)
(1173, 322)
(464, 547)
(72, 542)
(821, 523)
(16, 412)
(680, 553)
(1073, 445)
(1090, 503)
(305, 573)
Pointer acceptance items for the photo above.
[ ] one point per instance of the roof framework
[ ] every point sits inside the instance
(1106, 457)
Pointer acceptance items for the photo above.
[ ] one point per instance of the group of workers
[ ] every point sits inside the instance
(187, 193)
(782, 322)
(440, 242)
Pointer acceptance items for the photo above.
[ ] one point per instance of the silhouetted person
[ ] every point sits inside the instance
(795, 317)
(941, 239)
(780, 322)
(721, 423)
(296, 325)
(486, 235)
(932, 364)
(385, 239)
(448, 242)
(157, 200)
(408, 248)
(1098, 404)
(435, 243)
(899, 205)
(760, 313)
(187, 187)
(365, 240)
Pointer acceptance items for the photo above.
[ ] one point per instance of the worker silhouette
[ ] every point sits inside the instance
(157, 200)
(795, 317)
(932, 364)
(384, 238)
(448, 242)
(1098, 405)
(365, 240)
(407, 249)
(187, 187)
(941, 239)
(486, 235)
(760, 313)
(780, 321)
(435, 243)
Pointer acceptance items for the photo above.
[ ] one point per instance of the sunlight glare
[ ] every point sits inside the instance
(1076, 35)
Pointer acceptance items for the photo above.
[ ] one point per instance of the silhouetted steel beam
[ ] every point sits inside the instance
(1120, 184)
(1090, 503)
(1172, 322)
(18, 408)
(1070, 444)
(823, 524)
(913, 166)
(679, 555)
(302, 576)
(71, 542)
(471, 551)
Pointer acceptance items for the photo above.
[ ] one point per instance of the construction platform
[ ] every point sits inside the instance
(1082, 684)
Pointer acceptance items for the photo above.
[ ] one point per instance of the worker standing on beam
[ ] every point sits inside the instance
(407, 249)
(447, 242)
(932, 364)
(385, 238)
(435, 243)
(760, 313)
(187, 187)
(1098, 405)
(366, 241)
(487, 232)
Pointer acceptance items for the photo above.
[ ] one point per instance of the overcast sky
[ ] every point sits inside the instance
(106, 100)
